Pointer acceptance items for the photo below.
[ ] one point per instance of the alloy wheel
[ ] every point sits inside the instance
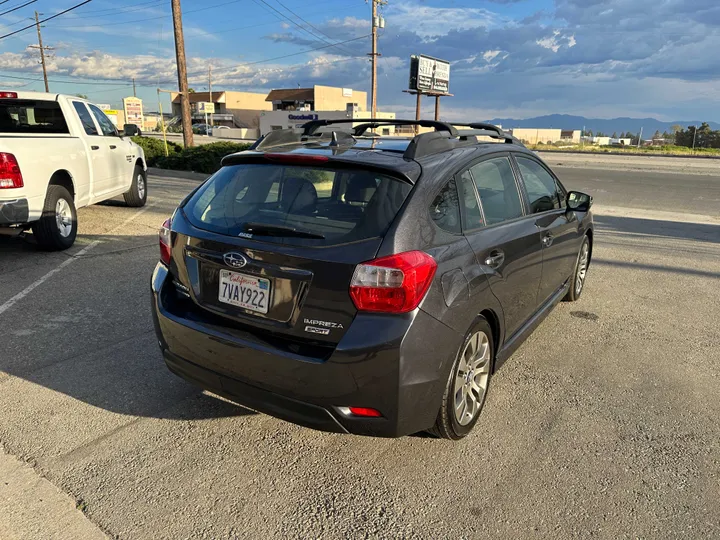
(63, 218)
(471, 378)
(582, 267)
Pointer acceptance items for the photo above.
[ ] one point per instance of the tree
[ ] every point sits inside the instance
(675, 128)
(191, 90)
(657, 135)
(614, 135)
(589, 133)
(82, 96)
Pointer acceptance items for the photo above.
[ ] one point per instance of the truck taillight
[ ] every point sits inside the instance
(10, 175)
(165, 237)
(393, 284)
(8, 95)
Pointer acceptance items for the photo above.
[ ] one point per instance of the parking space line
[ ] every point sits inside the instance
(27, 290)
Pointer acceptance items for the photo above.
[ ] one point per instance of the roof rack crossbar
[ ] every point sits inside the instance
(367, 123)
(483, 126)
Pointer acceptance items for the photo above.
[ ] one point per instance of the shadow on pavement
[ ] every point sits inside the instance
(701, 232)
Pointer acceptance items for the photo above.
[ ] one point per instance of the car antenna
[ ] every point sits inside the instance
(334, 141)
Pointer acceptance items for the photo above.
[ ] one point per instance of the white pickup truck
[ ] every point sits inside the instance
(59, 153)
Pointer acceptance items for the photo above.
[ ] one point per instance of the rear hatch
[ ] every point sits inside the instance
(270, 247)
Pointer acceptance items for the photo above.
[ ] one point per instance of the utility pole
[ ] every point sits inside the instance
(640, 137)
(182, 74)
(210, 92)
(134, 92)
(377, 22)
(42, 51)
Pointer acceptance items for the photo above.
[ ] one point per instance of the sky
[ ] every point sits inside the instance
(509, 58)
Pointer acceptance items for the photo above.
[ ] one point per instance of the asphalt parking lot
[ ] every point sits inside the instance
(605, 423)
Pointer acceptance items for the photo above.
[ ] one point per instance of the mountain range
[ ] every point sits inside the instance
(609, 126)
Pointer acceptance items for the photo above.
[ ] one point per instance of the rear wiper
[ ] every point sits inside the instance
(267, 229)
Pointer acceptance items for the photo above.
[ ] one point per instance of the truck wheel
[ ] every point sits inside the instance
(57, 227)
(137, 194)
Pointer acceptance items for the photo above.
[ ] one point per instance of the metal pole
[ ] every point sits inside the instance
(373, 80)
(134, 91)
(210, 91)
(162, 124)
(437, 108)
(694, 135)
(182, 74)
(417, 112)
(42, 51)
(640, 137)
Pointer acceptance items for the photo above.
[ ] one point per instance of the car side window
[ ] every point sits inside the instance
(472, 217)
(107, 127)
(85, 118)
(498, 191)
(541, 187)
(445, 209)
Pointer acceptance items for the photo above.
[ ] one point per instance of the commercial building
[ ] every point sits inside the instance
(232, 109)
(317, 98)
(283, 119)
(546, 136)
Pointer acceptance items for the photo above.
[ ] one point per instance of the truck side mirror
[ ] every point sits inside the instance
(131, 130)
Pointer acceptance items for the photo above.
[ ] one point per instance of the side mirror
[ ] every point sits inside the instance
(578, 201)
(130, 130)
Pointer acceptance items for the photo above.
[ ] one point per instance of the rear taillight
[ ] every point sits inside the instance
(165, 237)
(393, 284)
(10, 175)
(8, 95)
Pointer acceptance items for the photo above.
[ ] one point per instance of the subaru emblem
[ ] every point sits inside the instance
(235, 259)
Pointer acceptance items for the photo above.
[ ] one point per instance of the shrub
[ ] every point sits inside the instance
(155, 148)
(204, 158)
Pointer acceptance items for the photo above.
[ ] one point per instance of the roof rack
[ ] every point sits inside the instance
(367, 123)
(281, 137)
(487, 130)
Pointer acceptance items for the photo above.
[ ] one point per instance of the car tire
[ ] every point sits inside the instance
(577, 282)
(467, 384)
(56, 229)
(136, 196)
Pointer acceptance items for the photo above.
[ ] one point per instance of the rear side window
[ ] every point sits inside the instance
(498, 191)
(31, 116)
(85, 118)
(338, 205)
(541, 187)
(445, 210)
(472, 217)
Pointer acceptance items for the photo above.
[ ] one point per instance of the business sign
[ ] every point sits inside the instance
(133, 111)
(347, 92)
(429, 74)
(103, 106)
(206, 107)
(302, 116)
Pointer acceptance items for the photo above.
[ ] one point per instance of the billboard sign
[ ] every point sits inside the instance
(429, 74)
(133, 111)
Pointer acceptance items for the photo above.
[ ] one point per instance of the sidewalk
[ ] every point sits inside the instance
(32, 508)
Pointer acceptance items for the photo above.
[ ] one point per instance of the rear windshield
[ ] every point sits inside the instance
(322, 206)
(31, 116)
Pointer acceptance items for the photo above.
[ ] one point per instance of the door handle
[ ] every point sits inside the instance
(547, 240)
(495, 259)
(113, 147)
(94, 148)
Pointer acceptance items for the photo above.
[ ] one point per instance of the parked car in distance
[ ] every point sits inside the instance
(57, 154)
(367, 285)
(202, 129)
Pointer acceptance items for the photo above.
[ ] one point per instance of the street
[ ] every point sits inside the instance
(605, 423)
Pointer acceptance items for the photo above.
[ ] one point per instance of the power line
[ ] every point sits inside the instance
(18, 7)
(48, 19)
(62, 82)
(153, 18)
(311, 25)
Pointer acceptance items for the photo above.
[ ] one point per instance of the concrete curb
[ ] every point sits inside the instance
(167, 173)
(636, 154)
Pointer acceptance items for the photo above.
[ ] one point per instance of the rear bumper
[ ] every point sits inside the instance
(397, 365)
(14, 212)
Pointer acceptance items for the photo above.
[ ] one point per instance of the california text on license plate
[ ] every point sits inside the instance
(244, 291)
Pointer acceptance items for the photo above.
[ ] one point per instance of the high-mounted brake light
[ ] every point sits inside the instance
(8, 95)
(393, 284)
(165, 237)
(10, 175)
(308, 159)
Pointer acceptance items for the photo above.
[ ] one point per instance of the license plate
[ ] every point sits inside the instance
(248, 292)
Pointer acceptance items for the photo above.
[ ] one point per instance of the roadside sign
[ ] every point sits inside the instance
(133, 111)
(206, 107)
(429, 74)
